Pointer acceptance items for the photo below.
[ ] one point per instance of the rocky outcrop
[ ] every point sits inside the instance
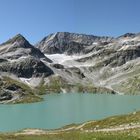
(27, 67)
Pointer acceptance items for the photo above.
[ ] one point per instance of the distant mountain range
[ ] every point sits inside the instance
(69, 62)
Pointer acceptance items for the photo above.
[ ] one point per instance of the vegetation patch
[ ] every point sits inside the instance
(130, 86)
(92, 89)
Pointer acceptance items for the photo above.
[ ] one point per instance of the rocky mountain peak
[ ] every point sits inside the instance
(17, 47)
(19, 37)
(70, 43)
(17, 40)
(67, 36)
(128, 35)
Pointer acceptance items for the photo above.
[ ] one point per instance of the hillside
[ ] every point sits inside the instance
(69, 62)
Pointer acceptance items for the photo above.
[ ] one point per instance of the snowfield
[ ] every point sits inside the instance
(69, 61)
(61, 58)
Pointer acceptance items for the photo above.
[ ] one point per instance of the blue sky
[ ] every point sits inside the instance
(38, 18)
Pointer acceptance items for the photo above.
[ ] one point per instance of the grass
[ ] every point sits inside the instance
(41, 89)
(76, 135)
(115, 121)
(54, 86)
(92, 89)
(130, 134)
(57, 83)
(130, 86)
(29, 99)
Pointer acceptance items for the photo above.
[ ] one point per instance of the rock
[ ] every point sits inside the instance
(58, 66)
(70, 62)
(26, 67)
(18, 47)
(70, 43)
(128, 35)
(5, 95)
(13, 87)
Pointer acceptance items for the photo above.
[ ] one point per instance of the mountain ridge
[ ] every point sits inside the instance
(69, 62)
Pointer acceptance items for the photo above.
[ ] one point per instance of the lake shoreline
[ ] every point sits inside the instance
(122, 126)
(75, 109)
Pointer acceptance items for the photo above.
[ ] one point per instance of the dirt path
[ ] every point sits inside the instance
(80, 127)
(39, 132)
(114, 129)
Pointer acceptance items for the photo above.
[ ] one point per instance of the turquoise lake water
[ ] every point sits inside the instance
(62, 109)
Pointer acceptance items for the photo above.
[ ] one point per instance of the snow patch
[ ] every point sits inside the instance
(70, 61)
(95, 43)
(32, 82)
(25, 80)
(61, 58)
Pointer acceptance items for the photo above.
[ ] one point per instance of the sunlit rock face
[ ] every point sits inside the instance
(104, 61)
(70, 43)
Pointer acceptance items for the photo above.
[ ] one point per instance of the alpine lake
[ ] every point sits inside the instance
(58, 110)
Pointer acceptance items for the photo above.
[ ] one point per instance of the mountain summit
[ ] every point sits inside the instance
(18, 47)
(70, 43)
(17, 39)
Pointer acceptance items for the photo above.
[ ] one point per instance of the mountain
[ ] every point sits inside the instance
(70, 43)
(18, 47)
(69, 62)
(20, 60)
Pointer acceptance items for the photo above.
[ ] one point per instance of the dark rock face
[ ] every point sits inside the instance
(118, 58)
(70, 43)
(5, 95)
(70, 48)
(27, 67)
(13, 87)
(2, 60)
(122, 57)
(18, 38)
(78, 72)
(128, 35)
(58, 66)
